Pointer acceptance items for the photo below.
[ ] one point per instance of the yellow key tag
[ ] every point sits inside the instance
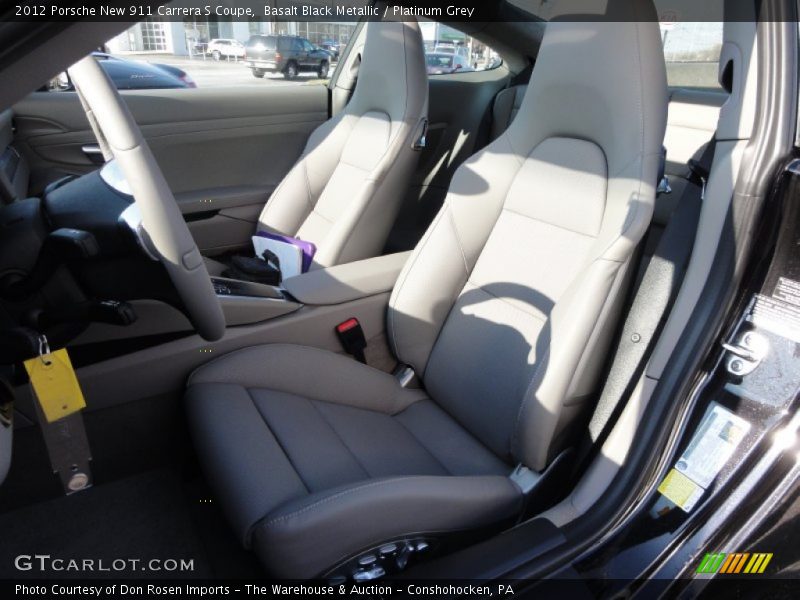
(55, 384)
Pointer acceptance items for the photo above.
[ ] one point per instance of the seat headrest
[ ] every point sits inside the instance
(393, 63)
(598, 80)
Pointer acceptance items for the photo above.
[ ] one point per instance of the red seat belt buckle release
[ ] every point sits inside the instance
(351, 336)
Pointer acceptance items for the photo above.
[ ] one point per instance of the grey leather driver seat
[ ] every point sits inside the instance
(505, 310)
(344, 192)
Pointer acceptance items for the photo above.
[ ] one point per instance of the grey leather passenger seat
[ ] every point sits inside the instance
(505, 310)
(344, 192)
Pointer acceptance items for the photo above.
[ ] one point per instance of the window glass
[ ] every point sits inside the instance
(449, 50)
(156, 53)
(692, 51)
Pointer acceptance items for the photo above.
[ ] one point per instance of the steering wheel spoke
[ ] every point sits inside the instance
(168, 237)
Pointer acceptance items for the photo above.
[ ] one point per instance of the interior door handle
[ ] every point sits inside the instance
(94, 153)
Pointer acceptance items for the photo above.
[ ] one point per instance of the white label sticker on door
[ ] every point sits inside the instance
(712, 445)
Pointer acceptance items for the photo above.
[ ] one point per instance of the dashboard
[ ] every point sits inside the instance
(73, 256)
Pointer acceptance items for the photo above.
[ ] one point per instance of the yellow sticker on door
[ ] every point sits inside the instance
(55, 385)
(681, 490)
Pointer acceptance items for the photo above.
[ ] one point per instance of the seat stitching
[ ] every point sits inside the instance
(309, 196)
(423, 446)
(637, 209)
(277, 439)
(316, 211)
(458, 238)
(407, 269)
(275, 194)
(336, 496)
(538, 316)
(353, 166)
(341, 439)
(544, 222)
(523, 405)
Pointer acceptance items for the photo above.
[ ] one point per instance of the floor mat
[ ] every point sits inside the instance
(149, 517)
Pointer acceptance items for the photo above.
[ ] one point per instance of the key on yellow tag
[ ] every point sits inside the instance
(55, 384)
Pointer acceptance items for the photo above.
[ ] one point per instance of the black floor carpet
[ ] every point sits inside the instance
(149, 501)
(154, 515)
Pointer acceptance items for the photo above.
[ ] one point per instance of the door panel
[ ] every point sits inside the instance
(222, 150)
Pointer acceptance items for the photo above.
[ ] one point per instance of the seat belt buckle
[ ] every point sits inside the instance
(352, 338)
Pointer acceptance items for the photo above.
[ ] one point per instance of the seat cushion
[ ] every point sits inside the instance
(308, 468)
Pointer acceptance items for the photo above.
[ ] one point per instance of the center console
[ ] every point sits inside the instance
(245, 302)
(224, 286)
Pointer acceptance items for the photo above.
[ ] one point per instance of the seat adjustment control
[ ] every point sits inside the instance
(375, 572)
(367, 560)
(389, 558)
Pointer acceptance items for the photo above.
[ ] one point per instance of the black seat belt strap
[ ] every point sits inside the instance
(700, 169)
(648, 313)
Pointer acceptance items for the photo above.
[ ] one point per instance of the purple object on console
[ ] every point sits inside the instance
(307, 248)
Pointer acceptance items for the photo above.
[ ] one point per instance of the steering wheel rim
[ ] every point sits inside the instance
(161, 218)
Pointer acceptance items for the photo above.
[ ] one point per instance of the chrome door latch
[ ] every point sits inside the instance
(746, 353)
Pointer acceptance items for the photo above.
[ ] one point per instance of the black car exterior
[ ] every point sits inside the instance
(137, 75)
(285, 54)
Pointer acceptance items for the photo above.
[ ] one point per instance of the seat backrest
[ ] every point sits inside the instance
(14, 173)
(508, 303)
(344, 192)
(505, 108)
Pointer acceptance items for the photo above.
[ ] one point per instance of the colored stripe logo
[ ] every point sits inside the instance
(735, 563)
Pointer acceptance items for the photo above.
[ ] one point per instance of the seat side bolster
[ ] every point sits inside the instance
(296, 196)
(232, 438)
(307, 536)
(311, 373)
(505, 108)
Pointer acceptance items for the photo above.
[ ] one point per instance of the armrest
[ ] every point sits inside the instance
(348, 282)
